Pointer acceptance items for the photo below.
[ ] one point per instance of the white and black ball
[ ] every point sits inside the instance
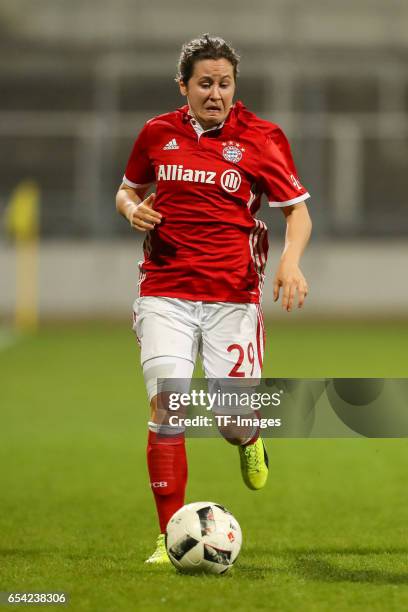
(203, 537)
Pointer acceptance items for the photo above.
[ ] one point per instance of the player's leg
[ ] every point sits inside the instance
(232, 351)
(168, 338)
(166, 452)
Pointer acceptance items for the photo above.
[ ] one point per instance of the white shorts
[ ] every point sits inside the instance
(229, 337)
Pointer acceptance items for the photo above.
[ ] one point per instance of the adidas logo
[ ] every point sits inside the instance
(171, 145)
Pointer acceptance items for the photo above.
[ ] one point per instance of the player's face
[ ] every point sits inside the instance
(210, 91)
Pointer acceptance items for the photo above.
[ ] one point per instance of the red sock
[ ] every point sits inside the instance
(167, 464)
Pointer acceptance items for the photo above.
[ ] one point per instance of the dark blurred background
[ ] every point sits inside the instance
(78, 79)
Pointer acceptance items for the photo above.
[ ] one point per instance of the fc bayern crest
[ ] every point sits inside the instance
(232, 151)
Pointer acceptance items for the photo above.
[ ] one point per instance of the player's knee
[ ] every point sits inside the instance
(153, 409)
(159, 409)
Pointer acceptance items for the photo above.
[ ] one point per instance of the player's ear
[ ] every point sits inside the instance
(183, 87)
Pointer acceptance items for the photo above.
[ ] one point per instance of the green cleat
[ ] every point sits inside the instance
(160, 556)
(254, 464)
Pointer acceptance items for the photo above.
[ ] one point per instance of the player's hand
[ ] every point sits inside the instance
(290, 279)
(142, 216)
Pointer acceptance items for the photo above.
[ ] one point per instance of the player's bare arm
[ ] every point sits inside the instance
(289, 276)
(130, 203)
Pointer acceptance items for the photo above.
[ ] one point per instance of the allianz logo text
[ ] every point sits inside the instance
(230, 179)
(174, 172)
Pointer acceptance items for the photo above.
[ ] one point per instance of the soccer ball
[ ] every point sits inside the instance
(203, 537)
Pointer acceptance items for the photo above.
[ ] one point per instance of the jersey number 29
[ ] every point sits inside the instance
(250, 353)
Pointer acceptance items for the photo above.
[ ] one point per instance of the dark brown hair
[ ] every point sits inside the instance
(205, 47)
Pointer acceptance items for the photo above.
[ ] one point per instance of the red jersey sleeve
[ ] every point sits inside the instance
(278, 176)
(139, 170)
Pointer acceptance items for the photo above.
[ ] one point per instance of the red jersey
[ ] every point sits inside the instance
(209, 245)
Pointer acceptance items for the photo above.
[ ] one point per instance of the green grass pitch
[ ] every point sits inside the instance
(328, 533)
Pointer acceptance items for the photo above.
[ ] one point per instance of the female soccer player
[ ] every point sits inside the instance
(205, 252)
